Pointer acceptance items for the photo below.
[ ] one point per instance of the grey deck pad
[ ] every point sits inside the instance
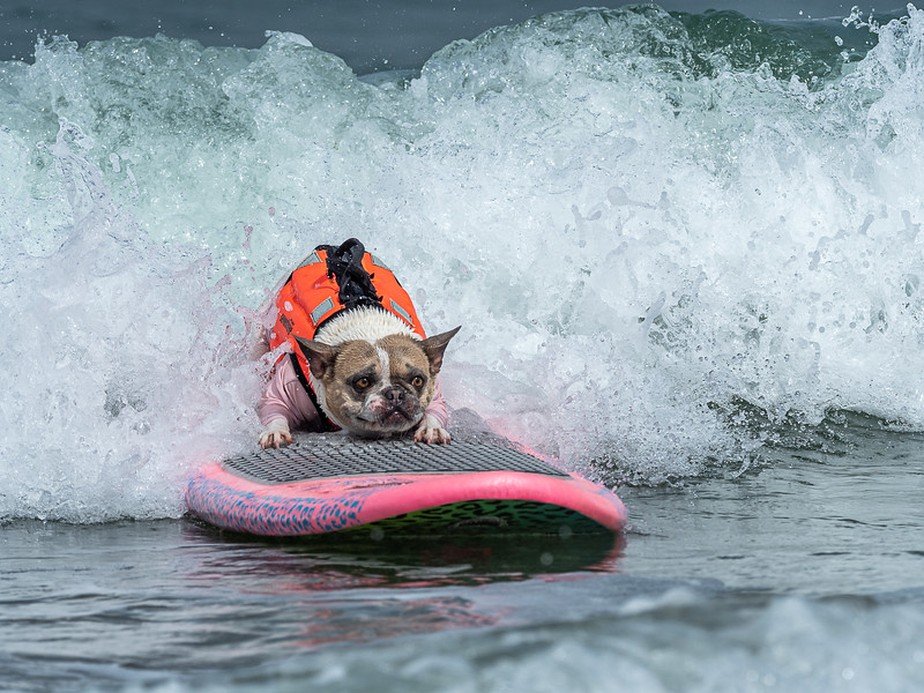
(331, 455)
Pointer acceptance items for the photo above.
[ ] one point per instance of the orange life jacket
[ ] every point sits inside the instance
(311, 296)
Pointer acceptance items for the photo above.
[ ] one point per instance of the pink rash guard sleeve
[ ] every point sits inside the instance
(285, 398)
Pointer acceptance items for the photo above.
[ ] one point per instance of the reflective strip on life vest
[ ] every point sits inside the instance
(321, 309)
(312, 259)
(400, 311)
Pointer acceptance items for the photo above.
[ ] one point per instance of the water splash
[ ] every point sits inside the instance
(641, 220)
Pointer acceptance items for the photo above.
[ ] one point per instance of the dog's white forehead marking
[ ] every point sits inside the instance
(384, 361)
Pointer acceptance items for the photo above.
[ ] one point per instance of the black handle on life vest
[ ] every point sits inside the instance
(344, 265)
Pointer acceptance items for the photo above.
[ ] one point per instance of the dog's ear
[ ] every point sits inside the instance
(435, 346)
(320, 357)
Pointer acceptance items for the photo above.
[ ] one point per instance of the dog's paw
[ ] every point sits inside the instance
(429, 431)
(276, 435)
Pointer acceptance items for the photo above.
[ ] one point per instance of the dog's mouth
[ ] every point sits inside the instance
(388, 418)
(396, 415)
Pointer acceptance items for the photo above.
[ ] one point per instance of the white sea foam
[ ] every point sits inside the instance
(633, 235)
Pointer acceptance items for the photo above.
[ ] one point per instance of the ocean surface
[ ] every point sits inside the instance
(686, 250)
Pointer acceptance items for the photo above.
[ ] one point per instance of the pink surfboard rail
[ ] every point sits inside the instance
(324, 505)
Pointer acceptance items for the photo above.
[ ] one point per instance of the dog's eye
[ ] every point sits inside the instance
(362, 383)
(417, 381)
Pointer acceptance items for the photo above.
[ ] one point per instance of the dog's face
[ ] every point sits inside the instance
(376, 388)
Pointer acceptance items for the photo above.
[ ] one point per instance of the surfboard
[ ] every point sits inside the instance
(332, 484)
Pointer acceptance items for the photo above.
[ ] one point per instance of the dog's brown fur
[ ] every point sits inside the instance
(360, 397)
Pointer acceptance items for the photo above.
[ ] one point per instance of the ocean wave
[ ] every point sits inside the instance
(648, 225)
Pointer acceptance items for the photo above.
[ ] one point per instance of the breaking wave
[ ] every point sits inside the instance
(649, 225)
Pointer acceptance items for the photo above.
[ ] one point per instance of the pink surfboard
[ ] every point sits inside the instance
(333, 484)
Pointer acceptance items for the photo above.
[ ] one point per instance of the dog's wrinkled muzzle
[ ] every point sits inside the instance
(392, 409)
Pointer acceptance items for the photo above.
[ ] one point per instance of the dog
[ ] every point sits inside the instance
(358, 360)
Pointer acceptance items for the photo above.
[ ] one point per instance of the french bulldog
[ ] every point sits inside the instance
(372, 376)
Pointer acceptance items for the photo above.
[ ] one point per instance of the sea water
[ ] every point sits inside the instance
(686, 254)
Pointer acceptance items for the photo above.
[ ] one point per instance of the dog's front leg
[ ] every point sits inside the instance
(430, 431)
(276, 434)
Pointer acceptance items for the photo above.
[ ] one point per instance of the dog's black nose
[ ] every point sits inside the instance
(395, 395)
